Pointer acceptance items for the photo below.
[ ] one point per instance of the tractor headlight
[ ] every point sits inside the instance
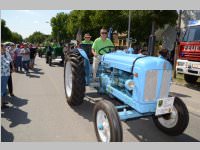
(129, 84)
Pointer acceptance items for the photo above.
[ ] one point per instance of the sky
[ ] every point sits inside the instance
(25, 22)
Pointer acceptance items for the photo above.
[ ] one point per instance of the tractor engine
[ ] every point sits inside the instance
(135, 79)
(117, 79)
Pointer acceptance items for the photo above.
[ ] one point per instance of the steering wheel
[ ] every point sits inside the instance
(104, 49)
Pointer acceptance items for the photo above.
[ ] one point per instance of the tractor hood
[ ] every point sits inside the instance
(125, 61)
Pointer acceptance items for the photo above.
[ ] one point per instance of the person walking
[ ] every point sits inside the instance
(25, 52)
(98, 44)
(11, 51)
(32, 56)
(18, 58)
(6, 60)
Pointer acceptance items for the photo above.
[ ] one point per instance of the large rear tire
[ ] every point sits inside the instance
(175, 123)
(190, 78)
(107, 124)
(74, 78)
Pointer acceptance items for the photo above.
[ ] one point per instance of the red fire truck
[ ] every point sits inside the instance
(188, 62)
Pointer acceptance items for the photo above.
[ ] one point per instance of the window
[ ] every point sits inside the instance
(192, 34)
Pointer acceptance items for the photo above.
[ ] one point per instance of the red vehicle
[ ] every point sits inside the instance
(189, 53)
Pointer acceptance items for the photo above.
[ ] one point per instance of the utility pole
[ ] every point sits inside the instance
(177, 41)
(152, 39)
(129, 27)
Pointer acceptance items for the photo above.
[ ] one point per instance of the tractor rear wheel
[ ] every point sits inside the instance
(176, 122)
(107, 124)
(74, 78)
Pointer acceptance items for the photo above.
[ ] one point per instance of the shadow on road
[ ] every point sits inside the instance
(85, 110)
(143, 129)
(20, 72)
(17, 102)
(6, 136)
(178, 94)
(33, 76)
(35, 73)
(57, 64)
(14, 114)
(195, 86)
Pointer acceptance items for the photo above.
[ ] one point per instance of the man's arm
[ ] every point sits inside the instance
(94, 53)
(94, 47)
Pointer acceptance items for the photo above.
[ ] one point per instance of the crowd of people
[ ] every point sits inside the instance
(14, 58)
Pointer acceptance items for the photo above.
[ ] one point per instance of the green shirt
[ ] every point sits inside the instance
(99, 43)
(87, 42)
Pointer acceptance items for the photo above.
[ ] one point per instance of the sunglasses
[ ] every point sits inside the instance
(103, 32)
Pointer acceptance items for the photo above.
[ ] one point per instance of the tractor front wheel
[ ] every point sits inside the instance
(107, 124)
(74, 78)
(176, 122)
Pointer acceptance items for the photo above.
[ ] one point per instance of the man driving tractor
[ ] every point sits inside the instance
(98, 44)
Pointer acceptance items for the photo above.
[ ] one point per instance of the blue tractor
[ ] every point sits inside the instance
(140, 83)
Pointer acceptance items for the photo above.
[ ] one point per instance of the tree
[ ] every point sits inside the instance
(16, 38)
(116, 19)
(37, 38)
(93, 20)
(59, 27)
(141, 24)
(6, 34)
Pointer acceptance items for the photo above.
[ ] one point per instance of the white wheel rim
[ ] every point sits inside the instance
(68, 79)
(103, 126)
(172, 121)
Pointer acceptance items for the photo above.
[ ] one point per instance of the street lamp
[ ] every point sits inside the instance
(152, 39)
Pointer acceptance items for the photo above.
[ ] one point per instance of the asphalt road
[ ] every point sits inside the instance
(39, 112)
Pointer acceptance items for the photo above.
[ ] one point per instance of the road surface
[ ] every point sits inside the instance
(39, 112)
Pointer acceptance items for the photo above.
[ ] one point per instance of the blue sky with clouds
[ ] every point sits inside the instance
(25, 22)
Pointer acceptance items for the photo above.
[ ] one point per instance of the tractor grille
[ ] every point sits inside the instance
(150, 85)
(165, 83)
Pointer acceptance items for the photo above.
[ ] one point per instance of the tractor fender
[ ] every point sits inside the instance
(86, 65)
